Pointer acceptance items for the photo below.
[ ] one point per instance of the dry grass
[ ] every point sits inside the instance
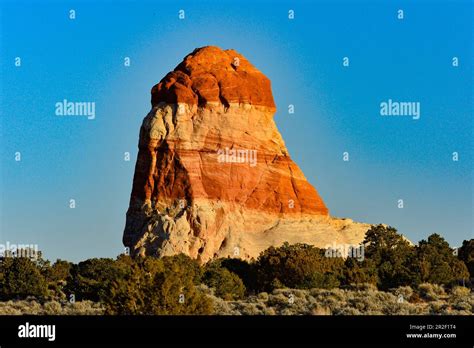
(363, 301)
(360, 300)
(50, 308)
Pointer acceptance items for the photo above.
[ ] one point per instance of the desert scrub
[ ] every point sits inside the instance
(462, 300)
(460, 292)
(263, 296)
(431, 292)
(403, 293)
(366, 305)
(20, 307)
(362, 287)
(33, 307)
(458, 301)
(247, 308)
(83, 308)
(320, 310)
(349, 302)
(438, 307)
(222, 307)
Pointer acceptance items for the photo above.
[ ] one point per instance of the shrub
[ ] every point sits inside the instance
(159, 286)
(58, 276)
(466, 254)
(227, 285)
(431, 292)
(405, 292)
(362, 287)
(23, 307)
(297, 266)
(185, 265)
(59, 271)
(462, 299)
(20, 278)
(91, 279)
(52, 308)
(435, 262)
(320, 310)
(391, 255)
(245, 270)
(359, 272)
(460, 292)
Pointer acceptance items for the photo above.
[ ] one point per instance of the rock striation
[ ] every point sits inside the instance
(213, 177)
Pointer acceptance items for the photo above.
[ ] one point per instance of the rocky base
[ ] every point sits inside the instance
(213, 229)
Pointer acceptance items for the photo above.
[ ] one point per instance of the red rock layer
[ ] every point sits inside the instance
(210, 74)
(274, 185)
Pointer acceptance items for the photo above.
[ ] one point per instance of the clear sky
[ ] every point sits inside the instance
(337, 108)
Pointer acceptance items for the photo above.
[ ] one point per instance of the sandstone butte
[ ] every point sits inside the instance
(213, 177)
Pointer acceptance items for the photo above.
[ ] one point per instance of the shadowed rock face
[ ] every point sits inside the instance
(213, 177)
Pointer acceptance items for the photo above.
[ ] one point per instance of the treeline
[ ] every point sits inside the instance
(170, 285)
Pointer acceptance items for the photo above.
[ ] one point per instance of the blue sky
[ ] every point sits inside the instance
(336, 108)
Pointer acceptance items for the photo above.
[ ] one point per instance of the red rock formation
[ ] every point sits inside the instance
(210, 74)
(208, 150)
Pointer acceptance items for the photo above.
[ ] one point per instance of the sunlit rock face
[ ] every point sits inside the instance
(213, 177)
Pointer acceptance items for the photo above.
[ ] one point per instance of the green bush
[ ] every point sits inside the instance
(393, 262)
(227, 285)
(159, 286)
(436, 263)
(359, 272)
(20, 278)
(91, 279)
(244, 269)
(297, 266)
(59, 271)
(391, 255)
(58, 276)
(185, 265)
(466, 254)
